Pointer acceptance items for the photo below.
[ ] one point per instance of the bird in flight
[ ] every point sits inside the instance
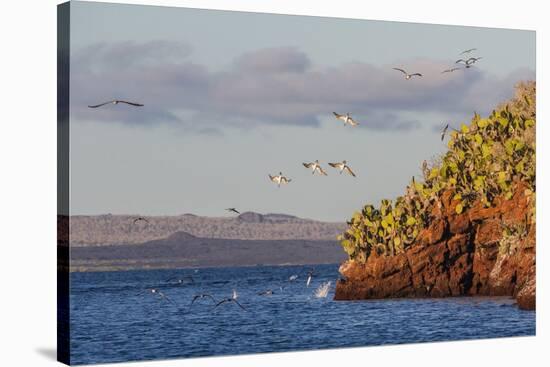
(279, 179)
(140, 219)
(315, 167)
(347, 119)
(232, 299)
(233, 210)
(267, 292)
(156, 292)
(309, 277)
(444, 131)
(342, 166)
(469, 62)
(201, 296)
(407, 75)
(184, 280)
(115, 102)
(467, 51)
(450, 70)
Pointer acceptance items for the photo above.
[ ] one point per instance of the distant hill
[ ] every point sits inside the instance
(182, 249)
(108, 229)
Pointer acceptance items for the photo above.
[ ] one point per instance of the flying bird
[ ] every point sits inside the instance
(346, 118)
(156, 292)
(407, 75)
(140, 219)
(201, 296)
(309, 277)
(184, 280)
(450, 70)
(342, 166)
(444, 131)
(469, 62)
(267, 292)
(233, 210)
(279, 179)
(467, 51)
(315, 167)
(232, 299)
(115, 102)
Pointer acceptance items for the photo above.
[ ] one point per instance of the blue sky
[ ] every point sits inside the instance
(230, 97)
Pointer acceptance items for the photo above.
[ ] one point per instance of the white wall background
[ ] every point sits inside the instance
(28, 182)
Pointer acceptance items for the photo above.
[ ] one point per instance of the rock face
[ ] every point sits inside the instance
(457, 255)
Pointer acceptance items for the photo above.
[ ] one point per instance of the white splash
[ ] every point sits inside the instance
(323, 289)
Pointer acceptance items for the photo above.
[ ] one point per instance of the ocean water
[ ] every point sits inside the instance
(114, 318)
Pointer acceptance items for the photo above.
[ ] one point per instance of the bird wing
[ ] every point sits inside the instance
(322, 171)
(353, 122)
(307, 165)
(417, 74)
(221, 302)
(401, 70)
(338, 116)
(349, 171)
(101, 104)
(236, 211)
(237, 302)
(335, 165)
(272, 178)
(460, 60)
(164, 296)
(131, 103)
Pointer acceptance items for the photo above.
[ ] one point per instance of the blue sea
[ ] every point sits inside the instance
(115, 317)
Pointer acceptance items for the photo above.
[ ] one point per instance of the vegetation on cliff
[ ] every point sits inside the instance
(486, 159)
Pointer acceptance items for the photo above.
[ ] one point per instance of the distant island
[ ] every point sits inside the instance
(118, 242)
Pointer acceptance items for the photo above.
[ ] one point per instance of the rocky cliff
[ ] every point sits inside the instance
(467, 230)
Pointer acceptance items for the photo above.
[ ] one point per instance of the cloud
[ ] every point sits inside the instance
(271, 86)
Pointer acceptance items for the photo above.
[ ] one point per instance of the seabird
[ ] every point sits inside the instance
(342, 166)
(293, 278)
(115, 102)
(140, 218)
(279, 179)
(309, 277)
(315, 167)
(467, 51)
(201, 296)
(233, 210)
(232, 299)
(181, 280)
(346, 118)
(444, 131)
(450, 70)
(468, 63)
(407, 75)
(158, 293)
(268, 292)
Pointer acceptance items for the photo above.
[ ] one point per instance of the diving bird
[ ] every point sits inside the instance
(347, 119)
(309, 277)
(444, 131)
(232, 299)
(450, 70)
(201, 296)
(315, 167)
(469, 62)
(467, 51)
(407, 75)
(233, 210)
(140, 219)
(115, 102)
(279, 179)
(342, 166)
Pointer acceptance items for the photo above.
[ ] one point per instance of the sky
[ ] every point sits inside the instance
(230, 97)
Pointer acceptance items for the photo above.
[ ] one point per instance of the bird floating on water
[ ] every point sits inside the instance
(342, 166)
(293, 278)
(115, 102)
(469, 62)
(233, 210)
(407, 75)
(280, 179)
(232, 299)
(315, 167)
(347, 119)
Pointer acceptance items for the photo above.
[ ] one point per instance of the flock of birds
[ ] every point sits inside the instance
(188, 280)
(280, 179)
